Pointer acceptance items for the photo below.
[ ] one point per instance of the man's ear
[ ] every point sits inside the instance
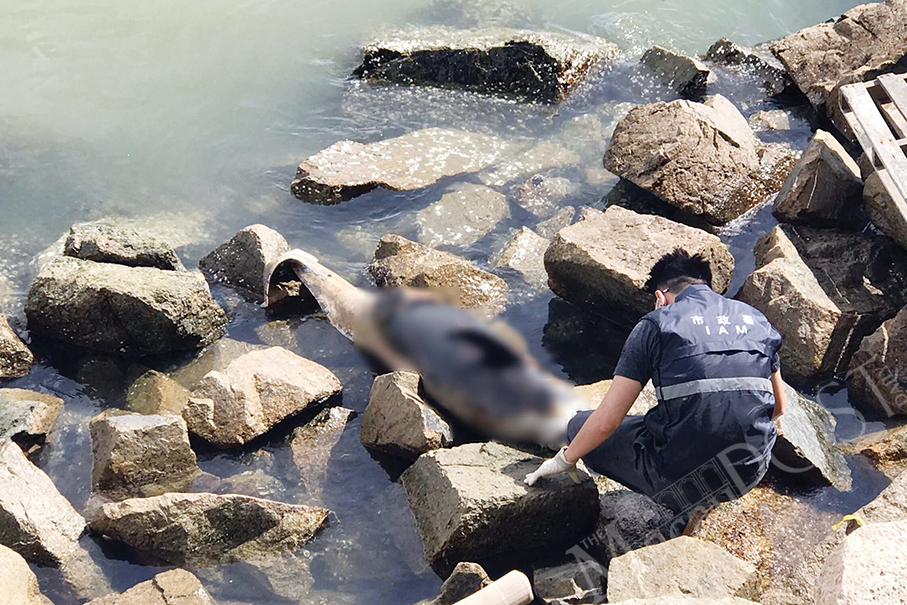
(660, 299)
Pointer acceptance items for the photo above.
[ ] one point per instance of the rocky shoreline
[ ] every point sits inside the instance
(831, 277)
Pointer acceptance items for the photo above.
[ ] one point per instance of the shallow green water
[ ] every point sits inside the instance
(190, 117)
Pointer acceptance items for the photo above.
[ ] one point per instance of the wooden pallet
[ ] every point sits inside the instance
(876, 111)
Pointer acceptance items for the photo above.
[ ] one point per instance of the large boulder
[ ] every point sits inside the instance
(120, 245)
(867, 568)
(15, 356)
(860, 44)
(253, 393)
(119, 309)
(464, 215)
(27, 416)
(525, 254)
(466, 579)
(415, 160)
(885, 211)
(682, 566)
(592, 395)
(824, 188)
(156, 393)
(35, 519)
(526, 65)
(686, 76)
(400, 262)
(19, 580)
(758, 61)
(312, 447)
(241, 261)
(470, 503)
(137, 454)
(877, 370)
(174, 587)
(397, 421)
(602, 262)
(701, 158)
(205, 529)
(806, 450)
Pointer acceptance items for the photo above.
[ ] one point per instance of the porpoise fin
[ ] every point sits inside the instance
(495, 351)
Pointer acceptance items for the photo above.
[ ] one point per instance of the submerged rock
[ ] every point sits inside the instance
(156, 393)
(464, 215)
(549, 227)
(470, 503)
(701, 158)
(135, 454)
(877, 370)
(602, 262)
(526, 65)
(241, 261)
(887, 450)
(859, 45)
(15, 356)
(525, 254)
(253, 393)
(400, 262)
(397, 421)
(415, 160)
(313, 445)
(775, 119)
(569, 583)
(119, 309)
(120, 245)
(682, 566)
(518, 164)
(27, 416)
(687, 76)
(464, 580)
(867, 568)
(205, 529)
(174, 587)
(19, 582)
(824, 188)
(541, 195)
(758, 61)
(35, 519)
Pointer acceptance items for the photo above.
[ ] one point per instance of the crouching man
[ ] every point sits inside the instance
(715, 367)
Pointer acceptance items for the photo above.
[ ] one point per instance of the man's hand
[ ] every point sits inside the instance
(554, 466)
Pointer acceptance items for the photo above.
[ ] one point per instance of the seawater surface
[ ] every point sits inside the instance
(189, 118)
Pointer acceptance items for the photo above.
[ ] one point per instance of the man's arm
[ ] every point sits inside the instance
(780, 394)
(602, 423)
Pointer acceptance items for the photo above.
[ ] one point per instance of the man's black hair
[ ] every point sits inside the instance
(677, 270)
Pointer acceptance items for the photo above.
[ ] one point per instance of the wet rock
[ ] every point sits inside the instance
(701, 158)
(602, 262)
(215, 357)
(464, 580)
(397, 421)
(859, 45)
(15, 356)
(400, 262)
(104, 243)
(525, 254)
(549, 227)
(541, 195)
(415, 160)
(776, 119)
(687, 76)
(27, 416)
(174, 587)
(156, 393)
(758, 61)
(824, 188)
(35, 519)
(472, 14)
(463, 216)
(592, 394)
(470, 503)
(19, 582)
(118, 309)
(517, 165)
(313, 445)
(253, 393)
(806, 450)
(868, 567)
(682, 566)
(526, 65)
(887, 450)
(131, 452)
(204, 529)
(877, 370)
(241, 261)
(569, 583)
(886, 214)
(628, 520)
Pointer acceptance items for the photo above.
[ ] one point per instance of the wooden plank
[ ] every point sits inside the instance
(862, 137)
(900, 203)
(883, 142)
(895, 118)
(896, 87)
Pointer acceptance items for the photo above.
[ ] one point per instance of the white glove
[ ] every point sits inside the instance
(553, 466)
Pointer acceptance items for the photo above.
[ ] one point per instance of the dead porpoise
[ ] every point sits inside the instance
(483, 377)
